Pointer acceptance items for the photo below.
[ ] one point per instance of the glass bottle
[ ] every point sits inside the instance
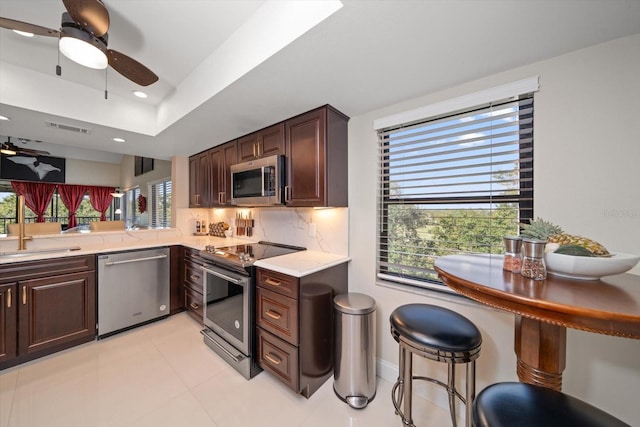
(533, 265)
(512, 257)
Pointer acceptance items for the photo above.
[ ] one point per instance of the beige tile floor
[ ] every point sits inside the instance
(162, 374)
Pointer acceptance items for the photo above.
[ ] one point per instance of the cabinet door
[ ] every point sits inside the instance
(230, 157)
(271, 140)
(8, 317)
(248, 147)
(264, 143)
(305, 148)
(199, 180)
(56, 310)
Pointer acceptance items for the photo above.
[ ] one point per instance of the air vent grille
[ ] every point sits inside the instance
(70, 128)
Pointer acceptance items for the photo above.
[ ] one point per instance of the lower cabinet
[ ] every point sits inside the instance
(48, 305)
(8, 322)
(193, 282)
(295, 325)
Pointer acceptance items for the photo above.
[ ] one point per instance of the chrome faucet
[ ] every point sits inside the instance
(22, 239)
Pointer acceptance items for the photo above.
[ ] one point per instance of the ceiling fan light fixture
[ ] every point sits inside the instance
(8, 149)
(81, 47)
(117, 194)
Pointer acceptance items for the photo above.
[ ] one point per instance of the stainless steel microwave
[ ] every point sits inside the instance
(259, 182)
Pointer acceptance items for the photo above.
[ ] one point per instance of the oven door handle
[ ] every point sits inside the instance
(225, 277)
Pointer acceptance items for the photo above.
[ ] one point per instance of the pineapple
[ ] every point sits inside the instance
(545, 230)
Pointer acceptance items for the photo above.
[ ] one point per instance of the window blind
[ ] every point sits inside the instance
(159, 204)
(453, 184)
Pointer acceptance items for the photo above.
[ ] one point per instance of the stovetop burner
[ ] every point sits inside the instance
(245, 255)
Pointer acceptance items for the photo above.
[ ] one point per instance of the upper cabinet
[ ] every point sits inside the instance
(199, 180)
(222, 157)
(266, 142)
(316, 149)
(210, 176)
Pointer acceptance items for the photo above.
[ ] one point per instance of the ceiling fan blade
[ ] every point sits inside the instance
(130, 68)
(12, 24)
(30, 152)
(90, 14)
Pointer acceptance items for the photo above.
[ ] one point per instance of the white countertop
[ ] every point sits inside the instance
(303, 263)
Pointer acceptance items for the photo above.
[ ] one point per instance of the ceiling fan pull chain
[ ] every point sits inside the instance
(105, 84)
(58, 67)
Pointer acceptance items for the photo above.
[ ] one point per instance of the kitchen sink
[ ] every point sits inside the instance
(31, 252)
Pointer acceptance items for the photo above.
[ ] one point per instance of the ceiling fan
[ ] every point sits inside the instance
(83, 38)
(10, 149)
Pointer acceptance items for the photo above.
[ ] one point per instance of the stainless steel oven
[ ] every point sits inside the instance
(229, 301)
(228, 316)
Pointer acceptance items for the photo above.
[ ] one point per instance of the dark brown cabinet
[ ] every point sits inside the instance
(221, 159)
(295, 325)
(176, 294)
(54, 304)
(210, 176)
(265, 142)
(199, 181)
(316, 147)
(193, 282)
(8, 322)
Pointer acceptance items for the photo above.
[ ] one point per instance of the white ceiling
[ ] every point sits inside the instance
(227, 68)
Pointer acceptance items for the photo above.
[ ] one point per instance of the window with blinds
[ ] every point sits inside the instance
(453, 184)
(159, 204)
(129, 207)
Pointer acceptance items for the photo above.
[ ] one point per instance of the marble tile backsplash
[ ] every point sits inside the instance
(284, 225)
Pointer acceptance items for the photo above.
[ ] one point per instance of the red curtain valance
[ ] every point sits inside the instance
(71, 196)
(100, 198)
(37, 196)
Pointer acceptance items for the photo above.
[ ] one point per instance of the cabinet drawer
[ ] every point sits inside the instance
(278, 282)
(278, 357)
(194, 277)
(193, 304)
(278, 314)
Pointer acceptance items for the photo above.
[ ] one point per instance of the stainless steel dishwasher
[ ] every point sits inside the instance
(133, 288)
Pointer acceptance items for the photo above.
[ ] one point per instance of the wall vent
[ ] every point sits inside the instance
(70, 128)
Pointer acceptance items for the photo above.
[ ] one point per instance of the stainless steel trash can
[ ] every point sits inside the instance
(354, 375)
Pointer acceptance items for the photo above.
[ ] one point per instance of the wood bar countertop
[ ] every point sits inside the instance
(545, 308)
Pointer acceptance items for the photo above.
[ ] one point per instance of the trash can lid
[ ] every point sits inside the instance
(354, 303)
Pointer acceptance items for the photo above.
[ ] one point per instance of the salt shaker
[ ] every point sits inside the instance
(512, 257)
(533, 265)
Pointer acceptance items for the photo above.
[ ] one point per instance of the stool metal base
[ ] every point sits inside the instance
(401, 393)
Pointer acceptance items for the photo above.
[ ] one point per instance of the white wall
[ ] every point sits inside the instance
(88, 172)
(586, 154)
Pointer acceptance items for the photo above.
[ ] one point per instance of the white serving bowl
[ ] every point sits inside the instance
(588, 268)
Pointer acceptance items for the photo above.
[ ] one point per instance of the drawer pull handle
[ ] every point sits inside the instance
(273, 358)
(194, 277)
(273, 282)
(194, 306)
(273, 314)
(24, 294)
(8, 298)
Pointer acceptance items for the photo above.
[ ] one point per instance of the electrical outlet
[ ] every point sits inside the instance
(312, 229)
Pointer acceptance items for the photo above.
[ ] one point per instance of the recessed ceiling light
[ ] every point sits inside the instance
(23, 33)
(119, 139)
(140, 94)
(4, 118)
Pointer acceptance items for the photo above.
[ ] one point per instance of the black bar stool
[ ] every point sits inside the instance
(526, 405)
(439, 334)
